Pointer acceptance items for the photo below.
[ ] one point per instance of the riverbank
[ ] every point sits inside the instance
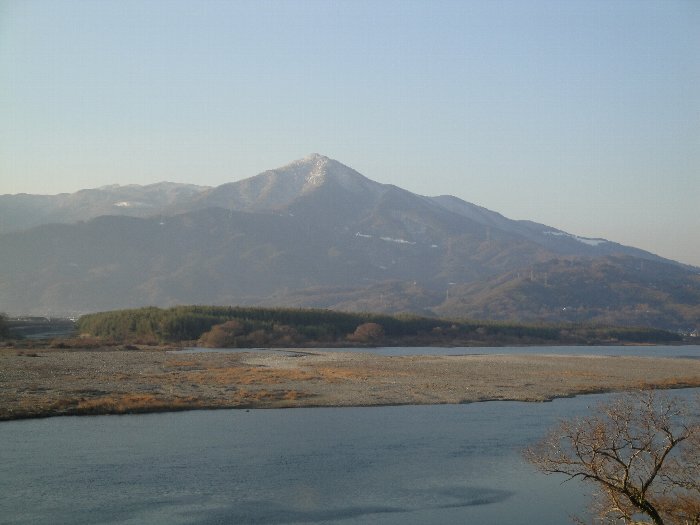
(51, 382)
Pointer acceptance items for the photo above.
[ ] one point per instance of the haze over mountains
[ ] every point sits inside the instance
(317, 233)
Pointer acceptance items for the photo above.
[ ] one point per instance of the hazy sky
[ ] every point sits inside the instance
(581, 115)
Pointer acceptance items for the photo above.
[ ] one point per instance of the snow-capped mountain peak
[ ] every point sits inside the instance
(278, 188)
(315, 169)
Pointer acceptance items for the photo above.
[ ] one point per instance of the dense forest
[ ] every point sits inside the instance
(218, 326)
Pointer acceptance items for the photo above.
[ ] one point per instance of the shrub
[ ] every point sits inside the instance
(367, 333)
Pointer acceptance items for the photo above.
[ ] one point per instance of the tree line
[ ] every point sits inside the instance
(238, 326)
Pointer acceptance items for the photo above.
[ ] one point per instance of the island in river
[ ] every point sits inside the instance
(44, 381)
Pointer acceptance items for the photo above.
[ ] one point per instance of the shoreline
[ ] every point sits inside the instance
(38, 383)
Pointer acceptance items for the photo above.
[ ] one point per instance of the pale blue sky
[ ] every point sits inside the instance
(581, 115)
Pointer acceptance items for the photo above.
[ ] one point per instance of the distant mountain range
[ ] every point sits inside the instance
(317, 233)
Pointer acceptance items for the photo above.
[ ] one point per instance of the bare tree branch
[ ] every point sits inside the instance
(643, 452)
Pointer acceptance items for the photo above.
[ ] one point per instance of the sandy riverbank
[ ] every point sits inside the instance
(39, 383)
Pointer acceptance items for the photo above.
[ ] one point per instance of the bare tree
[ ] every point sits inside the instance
(641, 451)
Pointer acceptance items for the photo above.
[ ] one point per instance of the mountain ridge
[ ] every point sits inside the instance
(314, 233)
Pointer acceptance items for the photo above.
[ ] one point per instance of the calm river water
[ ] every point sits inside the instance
(684, 351)
(385, 465)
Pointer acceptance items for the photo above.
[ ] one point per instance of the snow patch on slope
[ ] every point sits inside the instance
(390, 239)
(131, 204)
(584, 240)
(398, 241)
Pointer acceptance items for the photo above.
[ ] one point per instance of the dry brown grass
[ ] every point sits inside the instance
(668, 383)
(141, 403)
(267, 397)
(125, 404)
(61, 382)
(333, 374)
(580, 374)
(245, 376)
(107, 404)
(201, 372)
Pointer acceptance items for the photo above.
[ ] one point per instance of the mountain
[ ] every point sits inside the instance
(23, 211)
(318, 233)
(606, 290)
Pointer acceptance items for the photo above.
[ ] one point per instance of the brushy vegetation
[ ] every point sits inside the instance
(222, 326)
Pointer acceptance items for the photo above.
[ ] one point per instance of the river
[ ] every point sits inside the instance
(385, 465)
(680, 351)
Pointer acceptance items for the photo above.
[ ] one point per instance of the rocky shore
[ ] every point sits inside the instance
(50, 382)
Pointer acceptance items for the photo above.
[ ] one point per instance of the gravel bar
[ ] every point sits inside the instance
(50, 382)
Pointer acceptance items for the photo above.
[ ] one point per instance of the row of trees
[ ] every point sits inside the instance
(184, 323)
(288, 326)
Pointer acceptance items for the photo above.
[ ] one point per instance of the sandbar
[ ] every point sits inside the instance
(53, 382)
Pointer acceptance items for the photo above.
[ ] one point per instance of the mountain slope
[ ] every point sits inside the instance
(317, 233)
(610, 290)
(22, 211)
